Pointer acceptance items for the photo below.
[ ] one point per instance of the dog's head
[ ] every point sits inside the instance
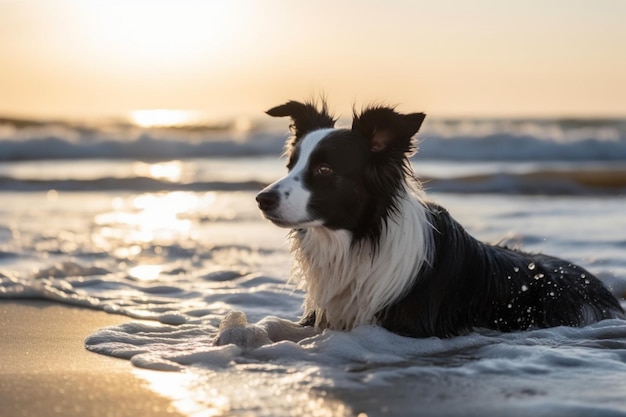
(340, 178)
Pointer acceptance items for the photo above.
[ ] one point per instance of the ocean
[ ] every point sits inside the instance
(160, 225)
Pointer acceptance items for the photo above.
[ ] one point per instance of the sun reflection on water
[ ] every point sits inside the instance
(145, 272)
(178, 387)
(171, 171)
(158, 218)
(222, 393)
(158, 215)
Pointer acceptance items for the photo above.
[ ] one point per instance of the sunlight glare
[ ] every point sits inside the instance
(150, 218)
(167, 33)
(154, 118)
(171, 171)
(127, 252)
(209, 395)
(145, 272)
(181, 388)
(158, 216)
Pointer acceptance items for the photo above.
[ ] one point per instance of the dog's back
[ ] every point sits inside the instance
(471, 284)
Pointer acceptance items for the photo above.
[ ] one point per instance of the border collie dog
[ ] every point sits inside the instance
(371, 250)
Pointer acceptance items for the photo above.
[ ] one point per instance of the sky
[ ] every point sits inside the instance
(479, 58)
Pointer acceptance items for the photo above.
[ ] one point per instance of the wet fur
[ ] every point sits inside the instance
(373, 251)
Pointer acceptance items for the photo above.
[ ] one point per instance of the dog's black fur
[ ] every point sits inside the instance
(472, 284)
(465, 283)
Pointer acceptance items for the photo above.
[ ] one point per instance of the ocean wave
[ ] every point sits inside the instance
(143, 147)
(140, 184)
(462, 140)
(506, 147)
(539, 182)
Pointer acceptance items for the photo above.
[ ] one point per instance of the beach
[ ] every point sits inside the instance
(46, 370)
(117, 268)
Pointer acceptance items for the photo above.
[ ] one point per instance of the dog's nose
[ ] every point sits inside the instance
(267, 200)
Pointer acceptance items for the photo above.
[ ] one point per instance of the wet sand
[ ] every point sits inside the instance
(45, 369)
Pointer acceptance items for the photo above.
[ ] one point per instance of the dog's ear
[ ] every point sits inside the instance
(388, 130)
(305, 117)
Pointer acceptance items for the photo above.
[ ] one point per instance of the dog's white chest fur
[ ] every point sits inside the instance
(347, 284)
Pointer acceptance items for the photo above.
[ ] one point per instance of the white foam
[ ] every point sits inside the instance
(369, 359)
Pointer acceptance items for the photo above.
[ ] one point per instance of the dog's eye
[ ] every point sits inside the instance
(323, 169)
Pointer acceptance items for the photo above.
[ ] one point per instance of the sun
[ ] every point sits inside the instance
(159, 32)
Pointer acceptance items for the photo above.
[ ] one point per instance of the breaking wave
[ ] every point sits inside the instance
(462, 140)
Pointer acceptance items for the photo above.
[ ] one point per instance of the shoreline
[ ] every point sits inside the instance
(45, 369)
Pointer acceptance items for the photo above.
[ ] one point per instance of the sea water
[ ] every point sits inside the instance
(177, 243)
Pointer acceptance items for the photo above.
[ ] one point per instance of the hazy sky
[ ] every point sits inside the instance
(444, 57)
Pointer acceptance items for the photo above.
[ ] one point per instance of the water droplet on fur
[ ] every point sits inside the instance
(509, 305)
(531, 266)
(538, 276)
(516, 269)
(524, 288)
(583, 275)
(587, 282)
(551, 294)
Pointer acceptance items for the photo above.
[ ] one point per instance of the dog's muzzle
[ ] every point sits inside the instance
(267, 200)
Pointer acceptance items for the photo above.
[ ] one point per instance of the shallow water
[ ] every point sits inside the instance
(177, 262)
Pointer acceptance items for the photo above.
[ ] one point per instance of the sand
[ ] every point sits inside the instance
(45, 369)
